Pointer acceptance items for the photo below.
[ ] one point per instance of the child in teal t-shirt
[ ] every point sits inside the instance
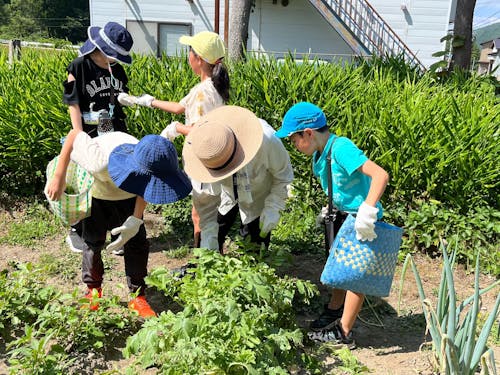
(357, 186)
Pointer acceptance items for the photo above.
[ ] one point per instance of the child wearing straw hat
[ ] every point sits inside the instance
(206, 54)
(95, 79)
(358, 185)
(127, 174)
(248, 169)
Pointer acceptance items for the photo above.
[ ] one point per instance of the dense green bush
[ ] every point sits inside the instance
(428, 223)
(435, 139)
(438, 138)
(32, 118)
(237, 317)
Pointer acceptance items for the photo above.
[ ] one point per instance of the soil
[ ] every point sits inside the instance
(391, 340)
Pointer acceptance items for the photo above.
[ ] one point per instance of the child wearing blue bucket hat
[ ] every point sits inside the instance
(95, 78)
(357, 186)
(128, 173)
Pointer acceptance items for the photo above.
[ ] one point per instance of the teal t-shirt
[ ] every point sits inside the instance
(349, 186)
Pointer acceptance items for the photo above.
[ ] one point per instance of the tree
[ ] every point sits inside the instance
(67, 19)
(462, 35)
(3, 12)
(24, 18)
(238, 28)
(60, 19)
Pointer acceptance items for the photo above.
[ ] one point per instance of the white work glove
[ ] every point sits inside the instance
(365, 222)
(128, 230)
(170, 132)
(320, 219)
(130, 100)
(145, 100)
(269, 218)
(126, 99)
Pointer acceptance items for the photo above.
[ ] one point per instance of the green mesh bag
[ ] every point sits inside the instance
(75, 203)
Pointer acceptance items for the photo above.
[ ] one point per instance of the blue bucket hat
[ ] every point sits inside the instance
(299, 117)
(149, 169)
(113, 40)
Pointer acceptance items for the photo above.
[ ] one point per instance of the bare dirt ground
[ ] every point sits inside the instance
(390, 341)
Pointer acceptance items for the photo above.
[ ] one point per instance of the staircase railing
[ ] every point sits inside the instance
(369, 28)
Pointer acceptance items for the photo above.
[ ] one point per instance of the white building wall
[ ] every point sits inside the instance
(297, 28)
(199, 14)
(420, 24)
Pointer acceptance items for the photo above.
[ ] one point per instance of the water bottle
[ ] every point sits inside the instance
(105, 124)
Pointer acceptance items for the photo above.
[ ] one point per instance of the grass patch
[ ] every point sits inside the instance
(64, 267)
(179, 253)
(36, 223)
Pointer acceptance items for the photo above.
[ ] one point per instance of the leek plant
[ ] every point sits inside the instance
(453, 327)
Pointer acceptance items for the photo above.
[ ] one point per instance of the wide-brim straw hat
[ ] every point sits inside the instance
(221, 143)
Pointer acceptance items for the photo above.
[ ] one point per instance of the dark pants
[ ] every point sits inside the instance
(105, 216)
(78, 227)
(91, 130)
(251, 229)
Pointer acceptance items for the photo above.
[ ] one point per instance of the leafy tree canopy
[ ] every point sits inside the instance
(59, 19)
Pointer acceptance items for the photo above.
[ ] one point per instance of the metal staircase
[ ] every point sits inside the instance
(364, 29)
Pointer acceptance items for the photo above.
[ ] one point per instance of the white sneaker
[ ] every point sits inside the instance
(75, 242)
(119, 251)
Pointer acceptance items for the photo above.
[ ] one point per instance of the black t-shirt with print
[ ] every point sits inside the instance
(92, 84)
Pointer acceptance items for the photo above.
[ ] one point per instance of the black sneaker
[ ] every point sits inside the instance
(335, 336)
(182, 271)
(327, 319)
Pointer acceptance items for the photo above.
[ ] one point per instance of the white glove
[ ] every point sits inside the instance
(145, 100)
(130, 100)
(126, 99)
(268, 220)
(365, 222)
(320, 219)
(128, 230)
(170, 132)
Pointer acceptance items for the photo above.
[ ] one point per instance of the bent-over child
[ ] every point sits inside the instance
(127, 174)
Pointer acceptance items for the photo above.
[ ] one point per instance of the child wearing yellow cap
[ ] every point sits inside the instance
(206, 54)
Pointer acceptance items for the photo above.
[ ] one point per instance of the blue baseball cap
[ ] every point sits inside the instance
(299, 117)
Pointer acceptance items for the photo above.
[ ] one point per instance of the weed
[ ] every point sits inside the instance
(349, 363)
(179, 253)
(65, 267)
(453, 325)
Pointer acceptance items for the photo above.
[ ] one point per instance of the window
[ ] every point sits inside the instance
(169, 35)
(155, 37)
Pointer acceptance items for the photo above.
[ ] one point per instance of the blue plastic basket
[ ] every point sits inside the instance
(363, 266)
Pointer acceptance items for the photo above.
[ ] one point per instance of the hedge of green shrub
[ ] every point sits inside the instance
(437, 138)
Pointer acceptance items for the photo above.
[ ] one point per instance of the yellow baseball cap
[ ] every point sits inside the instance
(208, 45)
